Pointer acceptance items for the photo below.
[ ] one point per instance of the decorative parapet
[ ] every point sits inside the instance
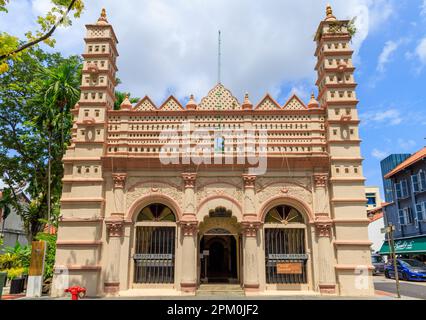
(119, 180)
(249, 181)
(189, 179)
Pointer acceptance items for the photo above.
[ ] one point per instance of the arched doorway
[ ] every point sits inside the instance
(155, 245)
(285, 246)
(219, 257)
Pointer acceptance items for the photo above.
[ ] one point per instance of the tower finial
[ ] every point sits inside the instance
(103, 18)
(329, 13)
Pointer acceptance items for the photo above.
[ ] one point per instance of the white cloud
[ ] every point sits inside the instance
(379, 154)
(423, 8)
(171, 46)
(388, 117)
(421, 51)
(384, 58)
(406, 144)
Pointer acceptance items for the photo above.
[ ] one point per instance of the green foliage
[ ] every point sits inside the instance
(15, 272)
(10, 46)
(50, 254)
(119, 98)
(23, 254)
(352, 27)
(31, 115)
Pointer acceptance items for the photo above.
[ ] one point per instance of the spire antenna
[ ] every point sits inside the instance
(219, 57)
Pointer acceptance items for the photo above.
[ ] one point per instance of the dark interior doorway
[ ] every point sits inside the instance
(218, 255)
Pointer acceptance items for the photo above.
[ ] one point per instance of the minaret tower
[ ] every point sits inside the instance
(336, 86)
(82, 205)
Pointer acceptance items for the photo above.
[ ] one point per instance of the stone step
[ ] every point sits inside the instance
(220, 289)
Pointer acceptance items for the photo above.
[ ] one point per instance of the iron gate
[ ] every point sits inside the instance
(154, 255)
(285, 255)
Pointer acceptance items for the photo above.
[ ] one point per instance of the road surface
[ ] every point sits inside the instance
(407, 288)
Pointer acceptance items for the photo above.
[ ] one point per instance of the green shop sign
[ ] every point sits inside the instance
(415, 245)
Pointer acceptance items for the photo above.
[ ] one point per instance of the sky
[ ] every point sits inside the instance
(170, 47)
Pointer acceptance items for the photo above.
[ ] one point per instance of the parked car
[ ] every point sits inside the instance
(408, 270)
(378, 263)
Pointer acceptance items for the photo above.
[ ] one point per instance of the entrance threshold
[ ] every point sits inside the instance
(232, 290)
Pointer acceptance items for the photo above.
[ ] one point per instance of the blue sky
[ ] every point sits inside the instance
(171, 47)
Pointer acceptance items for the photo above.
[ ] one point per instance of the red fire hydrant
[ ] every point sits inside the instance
(76, 292)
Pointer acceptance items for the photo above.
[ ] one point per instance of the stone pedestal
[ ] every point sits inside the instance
(115, 232)
(189, 263)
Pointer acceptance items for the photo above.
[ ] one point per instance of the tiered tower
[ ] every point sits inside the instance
(337, 95)
(82, 205)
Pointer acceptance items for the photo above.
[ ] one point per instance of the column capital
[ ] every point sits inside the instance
(119, 180)
(249, 181)
(321, 180)
(323, 226)
(189, 228)
(114, 228)
(189, 179)
(250, 228)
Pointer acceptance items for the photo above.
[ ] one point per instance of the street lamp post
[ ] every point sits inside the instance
(390, 229)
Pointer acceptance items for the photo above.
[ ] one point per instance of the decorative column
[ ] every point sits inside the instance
(323, 226)
(250, 226)
(115, 226)
(251, 265)
(189, 228)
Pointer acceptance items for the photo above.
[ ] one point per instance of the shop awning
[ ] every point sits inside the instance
(406, 246)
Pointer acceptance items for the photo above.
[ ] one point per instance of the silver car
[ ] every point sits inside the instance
(378, 263)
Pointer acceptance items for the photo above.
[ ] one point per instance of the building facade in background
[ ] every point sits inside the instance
(387, 165)
(374, 200)
(138, 214)
(407, 212)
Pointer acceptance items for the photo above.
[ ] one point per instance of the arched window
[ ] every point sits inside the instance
(156, 212)
(284, 215)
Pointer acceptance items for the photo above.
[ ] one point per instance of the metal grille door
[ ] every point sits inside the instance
(285, 256)
(154, 255)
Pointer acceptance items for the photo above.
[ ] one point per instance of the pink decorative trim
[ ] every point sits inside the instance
(77, 220)
(78, 243)
(140, 203)
(361, 200)
(352, 243)
(77, 267)
(351, 221)
(251, 287)
(119, 180)
(352, 267)
(112, 288)
(175, 100)
(299, 204)
(188, 287)
(154, 182)
(327, 288)
(71, 200)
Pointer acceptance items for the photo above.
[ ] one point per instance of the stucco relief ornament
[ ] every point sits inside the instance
(119, 180)
(321, 180)
(249, 181)
(189, 228)
(250, 228)
(323, 229)
(189, 179)
(115, 228)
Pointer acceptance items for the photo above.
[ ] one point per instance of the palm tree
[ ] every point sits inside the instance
(60, 94)
(119, 98)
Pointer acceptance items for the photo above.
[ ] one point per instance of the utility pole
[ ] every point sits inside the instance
(390, 229)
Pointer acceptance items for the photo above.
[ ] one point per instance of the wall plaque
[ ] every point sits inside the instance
(289, 268)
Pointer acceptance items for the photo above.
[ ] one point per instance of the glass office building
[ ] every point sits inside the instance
(387, 166)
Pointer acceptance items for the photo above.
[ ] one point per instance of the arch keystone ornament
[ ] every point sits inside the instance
(189, 179)
(249, 181)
